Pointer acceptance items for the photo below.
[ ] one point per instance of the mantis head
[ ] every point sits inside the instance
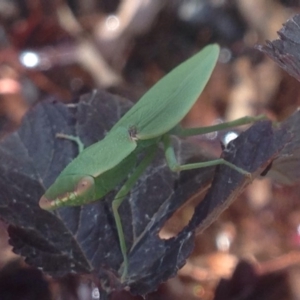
(68, 190)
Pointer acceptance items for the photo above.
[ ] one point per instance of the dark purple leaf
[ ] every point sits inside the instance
(285, 51)
(285, 169)
(83, 239)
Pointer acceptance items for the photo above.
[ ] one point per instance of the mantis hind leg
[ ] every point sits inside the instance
(178, 130)
(120, 196)
(72, 138)
(174, 166)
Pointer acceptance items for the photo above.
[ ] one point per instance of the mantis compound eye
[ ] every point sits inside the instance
(84, 185)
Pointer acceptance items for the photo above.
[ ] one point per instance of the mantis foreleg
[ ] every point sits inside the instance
(120, 196)
(72, 138)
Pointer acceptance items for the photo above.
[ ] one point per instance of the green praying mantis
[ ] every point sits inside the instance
(101, 167)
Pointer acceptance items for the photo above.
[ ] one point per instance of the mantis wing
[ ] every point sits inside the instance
(169, 100)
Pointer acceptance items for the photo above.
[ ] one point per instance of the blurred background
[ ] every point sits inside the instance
(64, 48)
